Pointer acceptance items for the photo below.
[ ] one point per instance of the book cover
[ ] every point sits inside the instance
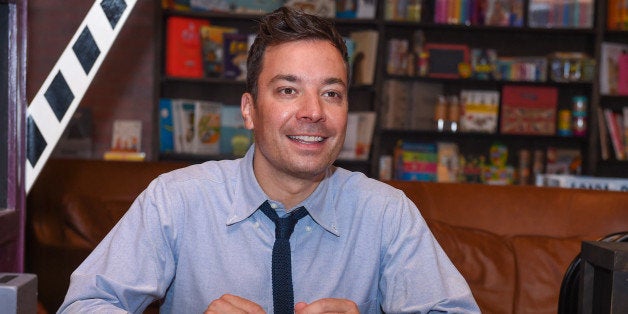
(236, 48)
(366, 126)
(480, 110)
(126, 135)
(366, 9)
(76, 140)
(416, 161)
(235, 139)
(563, 161)
(483, 63)
(603, 134)
(610, 54)
(185, 114)
(213, 49)
(615, 132)
(529, 110)
(448, 162)
(365, 56)
(183, 47)
(166, 126)
(207, 126)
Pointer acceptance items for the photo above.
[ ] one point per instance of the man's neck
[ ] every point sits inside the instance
(284, 188)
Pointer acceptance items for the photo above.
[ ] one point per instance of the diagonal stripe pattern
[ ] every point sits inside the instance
(59, 96)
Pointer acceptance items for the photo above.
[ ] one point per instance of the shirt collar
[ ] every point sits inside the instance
(248, 196)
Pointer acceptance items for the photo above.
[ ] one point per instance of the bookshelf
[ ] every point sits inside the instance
(513, 41)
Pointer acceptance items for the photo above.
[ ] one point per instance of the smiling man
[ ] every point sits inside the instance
(281, 230)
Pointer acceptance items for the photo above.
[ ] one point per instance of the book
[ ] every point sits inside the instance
(582, 182)
(359, 135)
(126, 135)
(183, 47)
(448, 166)
(563, 161)
(235, 48)
(213, 49)
(166, 126)
(603, 134)
(480, 110)
(365, 56)
(483, 63)
(415, 161)
(76, 141)
(610, 54)
(615, 132)
(235, 139)
(529, 110)
(184, 125)
(207, 125)
(625, 129)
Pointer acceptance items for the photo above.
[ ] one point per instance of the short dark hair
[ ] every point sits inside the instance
(287, 25)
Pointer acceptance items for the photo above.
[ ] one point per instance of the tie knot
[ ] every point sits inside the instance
(283, 226)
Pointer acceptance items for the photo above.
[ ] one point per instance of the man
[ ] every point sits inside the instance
(202, 238)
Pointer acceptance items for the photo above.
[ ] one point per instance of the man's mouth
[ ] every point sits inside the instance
(307, 139)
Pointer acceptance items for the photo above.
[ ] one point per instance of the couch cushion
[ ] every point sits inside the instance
(541, 265)
(486, 262)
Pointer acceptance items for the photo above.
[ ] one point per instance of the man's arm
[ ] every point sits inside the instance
(132, 266)
(417, 275)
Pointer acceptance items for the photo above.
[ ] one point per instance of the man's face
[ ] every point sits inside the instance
(300, 116)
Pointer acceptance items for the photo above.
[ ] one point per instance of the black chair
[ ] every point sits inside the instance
(570, 286)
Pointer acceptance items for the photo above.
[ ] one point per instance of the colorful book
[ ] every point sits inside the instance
(213, 49)
(166, 126)
(480, 110)
(207, 125)
(615, 132)
(235, 48)
(416, 161)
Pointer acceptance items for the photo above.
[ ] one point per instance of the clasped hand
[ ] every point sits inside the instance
(233, 304)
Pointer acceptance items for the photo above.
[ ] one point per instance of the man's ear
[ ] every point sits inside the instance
(247, 106)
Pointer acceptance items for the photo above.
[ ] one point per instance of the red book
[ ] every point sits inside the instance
(529, 110)
(183, 47)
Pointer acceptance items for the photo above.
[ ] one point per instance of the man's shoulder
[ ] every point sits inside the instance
(218, 171)
(358, 182)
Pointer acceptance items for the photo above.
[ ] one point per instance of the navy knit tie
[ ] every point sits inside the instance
(283, 296)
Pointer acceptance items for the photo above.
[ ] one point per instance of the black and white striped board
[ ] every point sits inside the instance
(53, 106)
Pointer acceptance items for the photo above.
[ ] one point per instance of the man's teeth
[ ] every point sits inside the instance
(304, 138)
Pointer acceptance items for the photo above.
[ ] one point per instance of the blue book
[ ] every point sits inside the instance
(166, 126)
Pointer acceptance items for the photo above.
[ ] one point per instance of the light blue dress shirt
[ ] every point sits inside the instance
(195, 234)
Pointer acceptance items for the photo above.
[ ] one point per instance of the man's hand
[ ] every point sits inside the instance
(327, 306)
(233, 304)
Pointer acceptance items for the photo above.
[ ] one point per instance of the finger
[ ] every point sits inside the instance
(229, 303)
(299, 306)
(330, 305)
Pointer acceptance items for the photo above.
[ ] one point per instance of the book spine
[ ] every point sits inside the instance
(613, 130)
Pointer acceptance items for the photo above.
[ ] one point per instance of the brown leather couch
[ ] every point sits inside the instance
(513, 244)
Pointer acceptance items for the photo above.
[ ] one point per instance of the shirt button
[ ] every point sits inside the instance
(308, 228)
(273, 205)
(256, 224)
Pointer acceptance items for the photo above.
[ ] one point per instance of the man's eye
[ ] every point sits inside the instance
(287, 91)
(332, 94)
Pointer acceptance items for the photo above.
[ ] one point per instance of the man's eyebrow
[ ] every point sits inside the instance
(294, 78)
(334, 80)
(284, 77)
